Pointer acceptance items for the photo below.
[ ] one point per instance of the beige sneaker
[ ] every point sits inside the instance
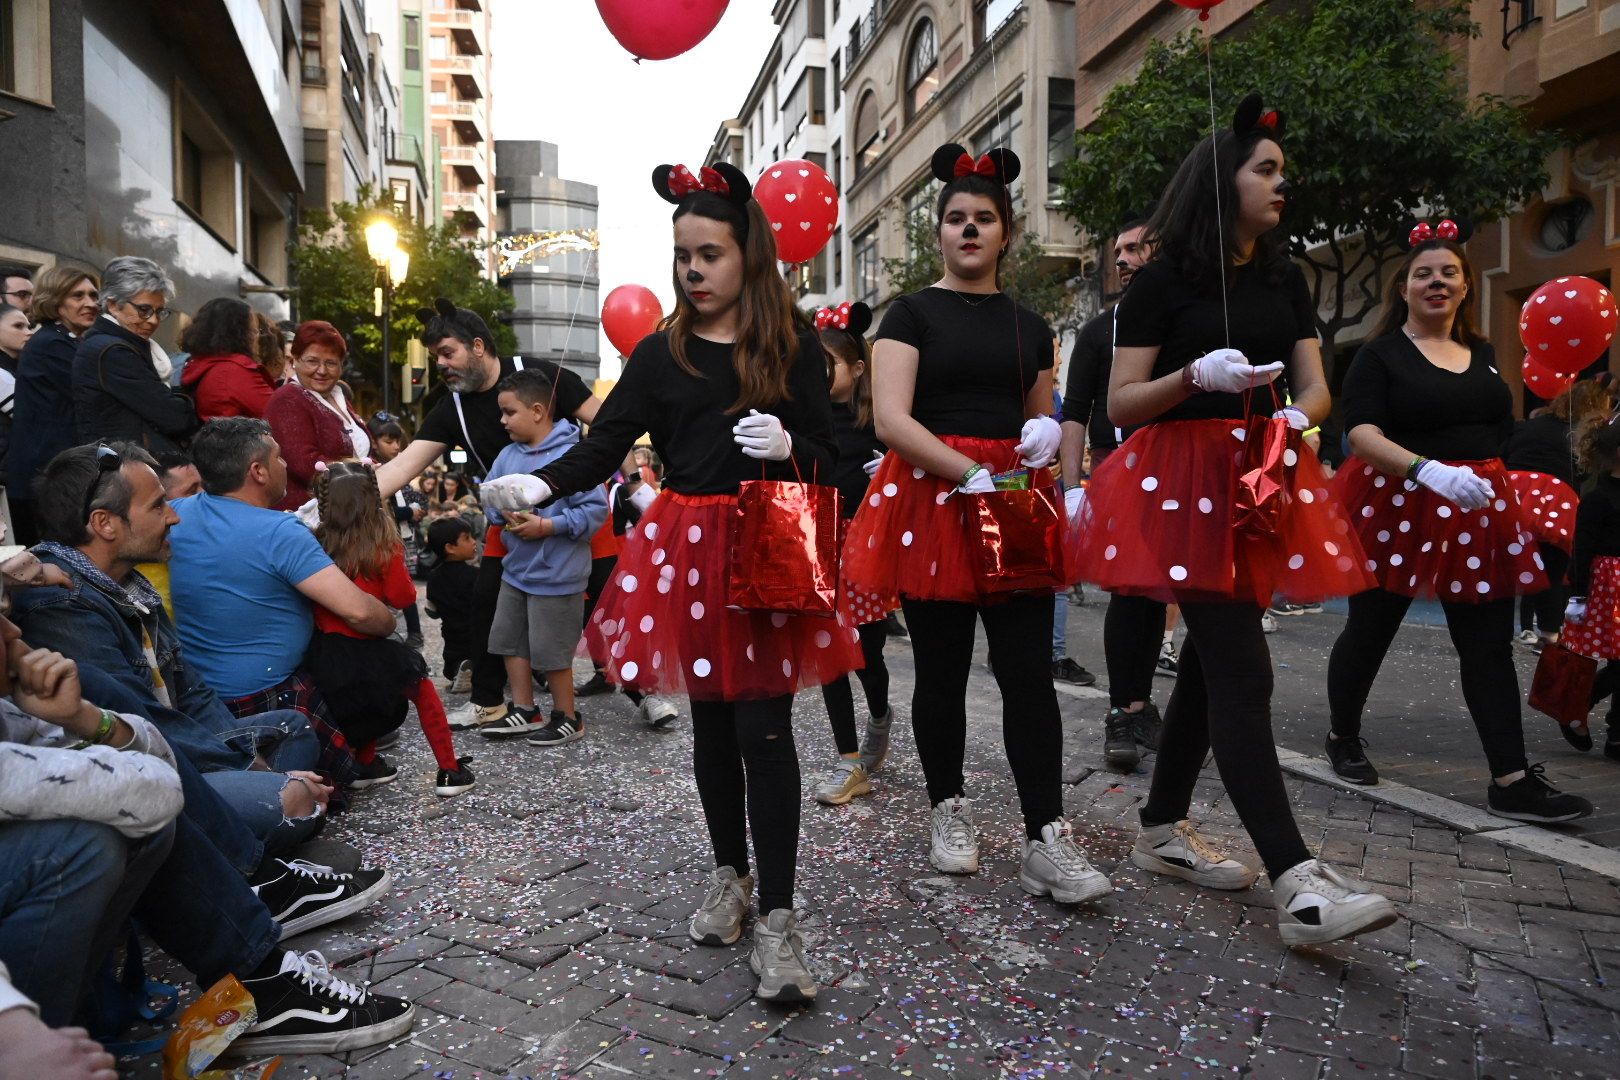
(719, 918)
(846, 781)
(778, 959)
(1179, 851)
(471, 716)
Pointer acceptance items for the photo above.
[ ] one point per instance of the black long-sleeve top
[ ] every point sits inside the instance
(1543, 444)
(856, 445)
(1597, 531)
(691, 430)
(1450, 415)
(1085, 386)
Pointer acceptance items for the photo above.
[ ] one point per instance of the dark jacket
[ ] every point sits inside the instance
(307, 432)
(118, 394)
(1543, 444)
(229, 384)
(42, 414)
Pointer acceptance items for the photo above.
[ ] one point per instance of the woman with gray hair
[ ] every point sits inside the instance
(117, 391)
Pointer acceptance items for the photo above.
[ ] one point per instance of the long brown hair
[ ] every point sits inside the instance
(355, 529)
(767, 344)
(851, 348)
(1396, 311)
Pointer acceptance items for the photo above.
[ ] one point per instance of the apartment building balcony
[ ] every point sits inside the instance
(468, 73)
(470, 205)
(470, 5)
(470, 118)
(407, 150)
(863, 33)
(467, 29)
(471, 163)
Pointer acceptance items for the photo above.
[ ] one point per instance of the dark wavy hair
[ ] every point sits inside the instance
(222, 325)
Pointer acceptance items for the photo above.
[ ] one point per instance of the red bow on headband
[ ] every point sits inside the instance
(1422, 232)
(836, 317)
(984, 166)
(682, 183)
(1269, 121)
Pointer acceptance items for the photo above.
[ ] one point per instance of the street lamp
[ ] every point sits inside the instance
(382, 243)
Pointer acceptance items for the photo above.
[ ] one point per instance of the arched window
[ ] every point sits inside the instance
(867, 133)
(922, 68)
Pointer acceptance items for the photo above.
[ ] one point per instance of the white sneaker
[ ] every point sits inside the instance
(955, 845)
(1179, 851)
(1317, 904)
(1055, 866)
(1526, 638)
(846, 780)
(656, 711)
(719, 918)
(1268, 622)
(463, 680)
(471, 716)
(778, 959)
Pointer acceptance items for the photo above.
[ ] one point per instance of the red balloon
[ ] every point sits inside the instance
(1568, 323)
(1543, 381)
(660, 29)
(630, 313)
(1200, 6)
(801, 204)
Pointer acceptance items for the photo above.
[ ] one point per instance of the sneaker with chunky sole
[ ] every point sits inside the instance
(305, 1009)
(302, 895)
(1055, 866)
(1349, 761)
(515, 722)
(1532, 798)
(1179, 851)
(846, 781)
(719, 918)
(657, 712)
(1317, 904)
(1268, 623)
(462, 683)
(1119, 740)
(778, 959)
(452, 782)
(1147, 725)
(954, 843)
(372, 773)
(470, 716)
(560, 729)
(875, 745)
(1168, 664)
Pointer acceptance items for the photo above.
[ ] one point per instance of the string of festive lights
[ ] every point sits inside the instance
(523, 248)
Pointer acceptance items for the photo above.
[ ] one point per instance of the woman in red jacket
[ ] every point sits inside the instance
(310, 416)
(224, 373)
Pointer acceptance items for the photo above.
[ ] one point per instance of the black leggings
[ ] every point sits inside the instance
(747, 771)
(1483, 637)
(595, 586)
(874, 678)
(489, 672)
(1019, 632)
(1546, 609)
(1222, 702)
(413, 621)
(1133, 632)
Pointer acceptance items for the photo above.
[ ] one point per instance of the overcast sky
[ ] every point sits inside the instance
(561, 77)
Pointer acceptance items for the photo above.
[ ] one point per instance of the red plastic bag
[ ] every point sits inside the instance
(1020, 537)
(1562, 685)
(784, 548)
(1265, 475)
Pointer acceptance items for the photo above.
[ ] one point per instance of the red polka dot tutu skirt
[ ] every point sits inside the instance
(1598, 634)
(912, 537)
(666, 627)
(1549, 507)
(1419, 544)
(1157, 522)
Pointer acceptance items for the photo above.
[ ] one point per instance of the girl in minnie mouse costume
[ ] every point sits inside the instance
(731, 387)
(963, 388)
(1428, 413)
(1206, 340)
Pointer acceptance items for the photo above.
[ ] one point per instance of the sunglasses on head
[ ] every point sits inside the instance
(107, 461)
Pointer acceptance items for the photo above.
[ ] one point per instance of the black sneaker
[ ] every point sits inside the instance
(596, 684)
(1119, 745)
(1349, 762)
(305, 1009)
(517, 721)
(372, 773)
(562, 729)
(452, 782)
(893, 627)
(1532, 798)
(1066, 670)
(414, 641)
(1287, 608)
(1146, 725)
(1579, 736)
(302, 895)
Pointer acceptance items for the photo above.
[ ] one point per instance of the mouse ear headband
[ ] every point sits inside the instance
(1456, 230)
(951, 162)
(855, 318)
(675, 182)
(1250, 118)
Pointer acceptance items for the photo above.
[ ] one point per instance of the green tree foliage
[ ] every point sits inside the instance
(1380, 128)
(336, 276)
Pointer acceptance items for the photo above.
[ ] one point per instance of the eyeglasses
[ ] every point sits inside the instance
(107, 461)
(25, 295)
(148, 313)
(315, 363)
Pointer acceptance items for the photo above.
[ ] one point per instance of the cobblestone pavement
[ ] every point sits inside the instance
(539, 923)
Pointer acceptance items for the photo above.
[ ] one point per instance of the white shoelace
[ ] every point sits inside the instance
(1328, 883)
(317, 974)
(315, 871)
(719, 889)
(1066, 854)
(957, 830)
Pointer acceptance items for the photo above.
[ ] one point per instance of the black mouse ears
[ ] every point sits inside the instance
(1250, 118)
(675, 182)
(442, 309)
(1456, 228)
(855, 317)
(951, 161)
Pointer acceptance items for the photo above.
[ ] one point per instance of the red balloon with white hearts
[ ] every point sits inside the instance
(1568, 323)
(1543, 381)
(801, 204)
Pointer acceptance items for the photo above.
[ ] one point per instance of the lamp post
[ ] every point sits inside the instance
(382, 243)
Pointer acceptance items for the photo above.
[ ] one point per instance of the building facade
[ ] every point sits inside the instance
(557, 313)
(458, 76)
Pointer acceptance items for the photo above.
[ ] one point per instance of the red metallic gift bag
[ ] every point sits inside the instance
(1020, 540)
(784, 548)
(1265, 466)
(1562, 685)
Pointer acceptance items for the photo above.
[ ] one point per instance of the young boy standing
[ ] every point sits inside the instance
(540, 613)
(450, 595)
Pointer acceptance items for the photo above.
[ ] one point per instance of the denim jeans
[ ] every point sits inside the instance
(1060, 627)
(284, 739)
(66, 888)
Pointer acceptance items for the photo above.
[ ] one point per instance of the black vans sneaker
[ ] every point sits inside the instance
(1532, 798)
(452, 782)
(562, 729)
(303, 895)
(1119, 741)
(1349, 762)
(305, 1009)
(517, 721)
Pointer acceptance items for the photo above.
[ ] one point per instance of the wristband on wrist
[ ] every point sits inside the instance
(975, 469)
(1412, 470)
(1189, 384)
(104, 730)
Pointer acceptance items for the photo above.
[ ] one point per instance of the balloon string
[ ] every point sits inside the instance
(1215, 160)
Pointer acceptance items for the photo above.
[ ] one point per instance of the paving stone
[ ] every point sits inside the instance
(567, 1051)
(714, 997)
(658, 1061)
(559, 1013)
(1329, 1042)
(1439, 1050)
(396, 1063)
(412, 983)
(727, 1038)
(473, 1043)
(568, 970)
(491, 973)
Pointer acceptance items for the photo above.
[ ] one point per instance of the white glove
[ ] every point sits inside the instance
(1038, 446)
(1227, 371)
(520, 491)
(1458, 483)
(979, 483)
(1575, 610)
(309, 514)
(1296, 417)
(643, 497)
(871, 467)
(1074, 500)
(762, 436)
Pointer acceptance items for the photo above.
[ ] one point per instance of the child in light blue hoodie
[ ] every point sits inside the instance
(539, 615)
